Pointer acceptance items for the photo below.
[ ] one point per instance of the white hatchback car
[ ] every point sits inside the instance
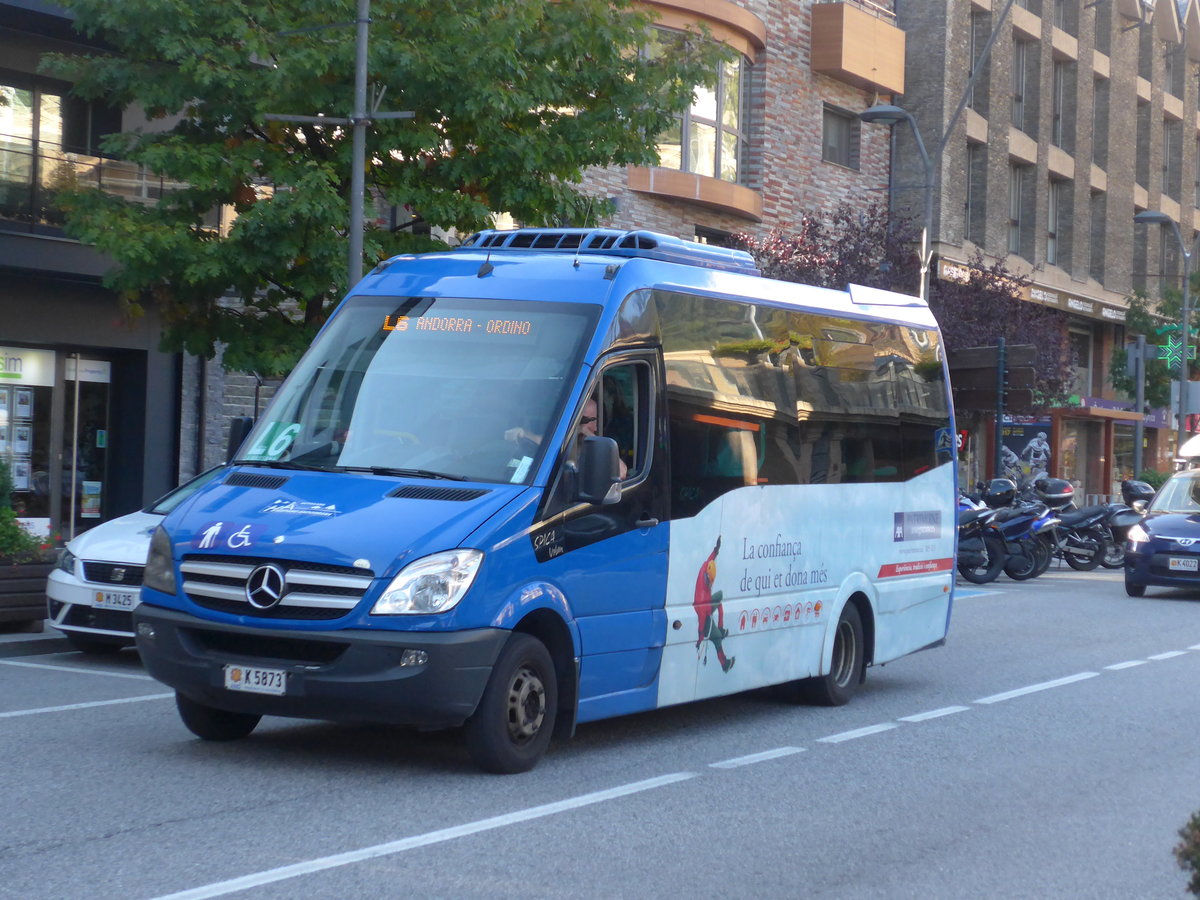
(92, 591)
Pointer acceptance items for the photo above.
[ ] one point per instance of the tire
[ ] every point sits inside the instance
(1133, 589)
(94, 646)
(1024, 565)
(511, 728)
(1113, 556)
(847, 667)
(1081, 563)
(994, 547)
(214, 724)
(1045, 555)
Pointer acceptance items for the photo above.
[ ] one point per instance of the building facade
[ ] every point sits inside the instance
(780, 135)
(1051, 124)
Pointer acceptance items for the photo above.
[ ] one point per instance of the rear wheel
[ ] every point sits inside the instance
(511, 728)
(846, 667)
(1087, 555)
(1113, 556)
(992, 565)
(214, 724)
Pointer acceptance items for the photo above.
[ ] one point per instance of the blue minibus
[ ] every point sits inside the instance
(557, 475)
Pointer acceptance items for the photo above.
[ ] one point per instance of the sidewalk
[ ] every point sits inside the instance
(19, 640)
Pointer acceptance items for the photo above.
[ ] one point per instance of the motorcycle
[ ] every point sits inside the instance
(981, 554)
(1027, 527)
(1122, 517)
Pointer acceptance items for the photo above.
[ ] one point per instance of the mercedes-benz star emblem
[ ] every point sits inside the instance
(264, 587)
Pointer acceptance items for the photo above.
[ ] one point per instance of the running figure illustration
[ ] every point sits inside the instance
(706, 603)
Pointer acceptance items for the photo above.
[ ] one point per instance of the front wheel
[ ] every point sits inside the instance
(845, 669)
(213, 724)
(1133, 589)
(512, 725)
(992, 565)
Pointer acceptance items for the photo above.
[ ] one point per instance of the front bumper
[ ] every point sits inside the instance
(71, 605)
(347, 676)
(1151, 565)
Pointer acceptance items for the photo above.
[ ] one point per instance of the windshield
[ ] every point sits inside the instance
(436, 387)
(172, 499)
(1180, 494)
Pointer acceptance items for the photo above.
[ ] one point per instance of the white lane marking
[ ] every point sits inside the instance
(857, 733)
(1034, 688)
(1194, 647)
(934, 714)
(69, 706)
(1126, 665)
(77, 669)
(755, 758)
(270, 876)
(1170, 654)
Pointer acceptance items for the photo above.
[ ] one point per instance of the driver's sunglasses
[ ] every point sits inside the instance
(587, 420)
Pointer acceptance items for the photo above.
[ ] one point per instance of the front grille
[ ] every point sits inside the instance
(311, 591)
(258, 646)
(108, 619)
(112, 573)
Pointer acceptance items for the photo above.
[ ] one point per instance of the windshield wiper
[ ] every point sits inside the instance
(414, 473)
(281, 464)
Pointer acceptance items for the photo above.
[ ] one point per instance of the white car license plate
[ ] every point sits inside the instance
(116, 600)
(1182, 564)
(256, 680)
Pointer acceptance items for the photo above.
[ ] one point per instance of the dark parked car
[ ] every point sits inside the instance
(1164, 548)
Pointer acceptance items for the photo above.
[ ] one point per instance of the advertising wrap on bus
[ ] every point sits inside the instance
(553, 476)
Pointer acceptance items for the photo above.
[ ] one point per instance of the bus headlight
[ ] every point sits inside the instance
(434, 584)
(160, 569)
(1137, 535)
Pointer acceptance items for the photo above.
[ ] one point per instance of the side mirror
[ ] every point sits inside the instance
(1139, 506)
(599, 471)
(239, 427)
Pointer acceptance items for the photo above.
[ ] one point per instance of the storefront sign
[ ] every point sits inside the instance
(92, 370)
(960, 273)
(22, 366)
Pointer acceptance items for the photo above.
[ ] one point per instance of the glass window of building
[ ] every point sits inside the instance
(839, 137)
(1053, 211)
(1020, 51)
(709, 138)
(1015, 179)
(1081, 359)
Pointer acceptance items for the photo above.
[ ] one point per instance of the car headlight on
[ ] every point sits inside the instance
(1137, 535)
(66, 561)
(433, 584)
(160, 568)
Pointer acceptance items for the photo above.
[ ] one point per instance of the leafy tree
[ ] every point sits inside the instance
(863, 246)
(850, 246)
(989, 306)
(513, 99)
(1146, 316)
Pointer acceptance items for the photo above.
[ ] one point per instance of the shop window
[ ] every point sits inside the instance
(1081, 360)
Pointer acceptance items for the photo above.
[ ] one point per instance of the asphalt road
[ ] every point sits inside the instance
(1047, 751)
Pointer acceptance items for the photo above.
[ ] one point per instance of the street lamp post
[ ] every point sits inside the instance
(1152, 217)
(888, 114)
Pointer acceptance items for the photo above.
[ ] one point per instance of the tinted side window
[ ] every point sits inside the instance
(761, 395)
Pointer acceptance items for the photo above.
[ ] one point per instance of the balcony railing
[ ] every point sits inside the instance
(33, 174)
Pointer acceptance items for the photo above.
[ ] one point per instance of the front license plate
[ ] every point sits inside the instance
(116, 600)
(1182, 563)
(255, 680)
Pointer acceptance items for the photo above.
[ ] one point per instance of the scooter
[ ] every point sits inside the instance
(981, 553)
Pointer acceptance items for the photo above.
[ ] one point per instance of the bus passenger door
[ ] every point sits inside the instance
(611, 559)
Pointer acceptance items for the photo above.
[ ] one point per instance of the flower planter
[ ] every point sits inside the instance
(23, 591)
